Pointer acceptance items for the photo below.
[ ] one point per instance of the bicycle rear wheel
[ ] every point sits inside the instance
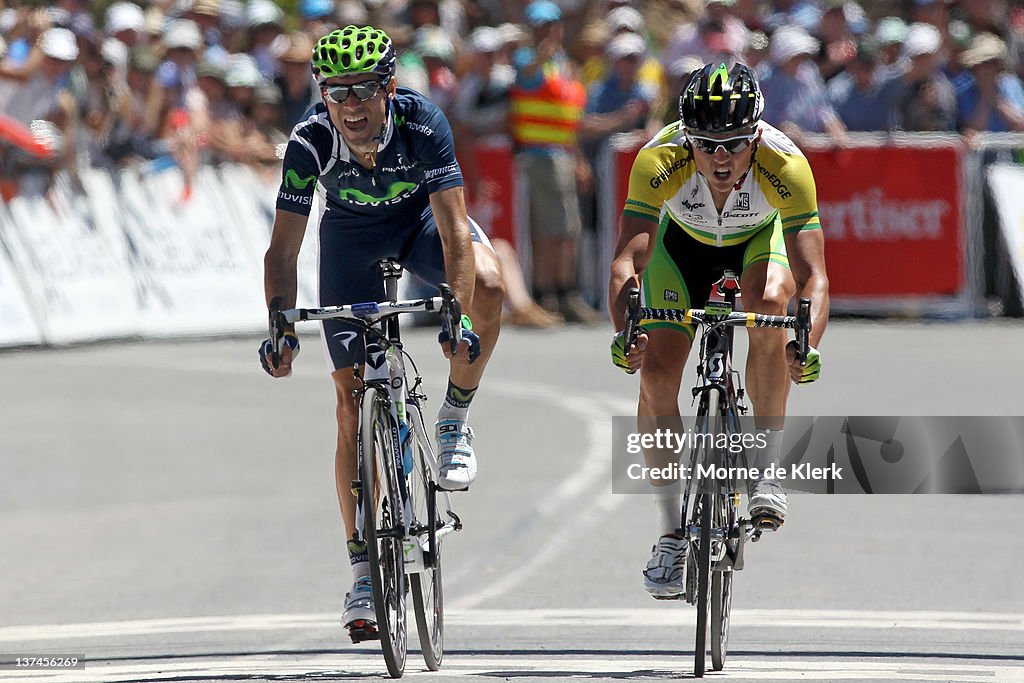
(382, 522)
(427, 588)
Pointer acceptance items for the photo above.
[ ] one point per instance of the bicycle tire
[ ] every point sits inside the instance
(721, 606)
(705, 501)
(427, 585)
(382, 509)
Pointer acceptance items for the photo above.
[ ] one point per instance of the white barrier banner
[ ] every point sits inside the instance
(75, 269)
(16, 324)
(1007, 184)
(253, 199)
(194, 267)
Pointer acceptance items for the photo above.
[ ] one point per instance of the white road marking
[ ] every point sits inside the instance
(535, 618)
(593, 467)
(370, 665)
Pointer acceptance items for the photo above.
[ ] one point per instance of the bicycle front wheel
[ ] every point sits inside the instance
(721, 606)
(381, 503)
(704, 517)
(427, 589)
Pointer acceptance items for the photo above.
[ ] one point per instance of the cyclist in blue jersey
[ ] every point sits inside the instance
(383, 159)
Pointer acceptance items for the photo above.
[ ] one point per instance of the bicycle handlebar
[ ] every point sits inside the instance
(801, 322)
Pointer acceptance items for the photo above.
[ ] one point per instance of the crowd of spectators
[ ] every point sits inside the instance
(114, 84)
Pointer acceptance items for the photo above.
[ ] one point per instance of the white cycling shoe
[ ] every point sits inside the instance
(455, 454)
(665, 571)
(766, 498)
(360, 618)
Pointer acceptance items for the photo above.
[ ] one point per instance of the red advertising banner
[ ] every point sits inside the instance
(491, 189)
(891, 218)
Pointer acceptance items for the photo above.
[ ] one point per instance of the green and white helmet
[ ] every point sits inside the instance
(354, 50)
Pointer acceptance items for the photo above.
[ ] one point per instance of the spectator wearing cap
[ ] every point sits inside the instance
(261, 131)
(618, 103)
(890, 33)
(795, 97)
(836, 35)
(264, 21)
(318, 17)
(481, 106)
(620, 21)
(206, 15)
(924, 99)
(993, 98)
(125, 21)
(756, 51)
(717, 36)
(438, 55)
(858, 93)
(183, 45)
(547, 104)
(295, 81)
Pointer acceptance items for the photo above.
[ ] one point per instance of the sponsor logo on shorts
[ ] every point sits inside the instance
(671, 296)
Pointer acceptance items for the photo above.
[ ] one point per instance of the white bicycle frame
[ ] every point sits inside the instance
(384, 371)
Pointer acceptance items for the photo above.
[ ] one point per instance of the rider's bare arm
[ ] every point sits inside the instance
(806, 250)
(632, 252)
(279, 263)
(449, 207)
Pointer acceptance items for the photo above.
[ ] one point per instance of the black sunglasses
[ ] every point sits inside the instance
(363, 90)
(730, 145)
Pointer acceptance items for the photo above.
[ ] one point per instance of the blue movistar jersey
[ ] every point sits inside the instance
(415, 158)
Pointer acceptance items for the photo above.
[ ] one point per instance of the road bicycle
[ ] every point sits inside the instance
(709, 518)
(402, 514)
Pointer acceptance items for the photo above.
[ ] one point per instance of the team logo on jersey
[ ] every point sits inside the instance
(292, 180)
(671, 296)
(397, 190)
(742, 202)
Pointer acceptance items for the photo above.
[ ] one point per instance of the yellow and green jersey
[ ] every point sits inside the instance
(664, 185)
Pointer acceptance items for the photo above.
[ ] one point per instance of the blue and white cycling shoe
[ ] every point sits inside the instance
(360, 618)
(455, 454)
(663, 576)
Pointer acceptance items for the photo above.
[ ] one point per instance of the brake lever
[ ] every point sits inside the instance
(451, 313)
(276, 331)
(632, 316)
(803, 331)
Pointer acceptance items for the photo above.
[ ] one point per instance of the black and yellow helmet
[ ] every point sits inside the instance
(717, 99)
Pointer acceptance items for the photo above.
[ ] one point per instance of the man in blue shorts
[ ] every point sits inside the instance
(384, 159)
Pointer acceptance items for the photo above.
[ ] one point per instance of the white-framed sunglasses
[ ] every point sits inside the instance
(733, 145)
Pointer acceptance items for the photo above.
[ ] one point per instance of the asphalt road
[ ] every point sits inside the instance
(167, 512)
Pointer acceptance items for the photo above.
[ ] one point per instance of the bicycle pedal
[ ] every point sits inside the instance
(766, 520)
(361, 630)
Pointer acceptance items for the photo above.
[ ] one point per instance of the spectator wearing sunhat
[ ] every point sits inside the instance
(42, 92)
(717, 35)
(890, 33)
(620, 21)
(924, 99)
(125, 21)
(264, 22)
(547, 104)
(993, 98)
(795, 97)
(295, 81)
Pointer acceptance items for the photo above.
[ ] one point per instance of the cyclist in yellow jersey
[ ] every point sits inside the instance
(717, 189)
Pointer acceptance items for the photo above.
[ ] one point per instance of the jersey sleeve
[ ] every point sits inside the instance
(799, 210)
(299, 174)
(434, 147)
(647, 184)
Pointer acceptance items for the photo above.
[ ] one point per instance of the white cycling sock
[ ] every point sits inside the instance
(771, 454)
(357, 557)
(668, 501)
(455, 405)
